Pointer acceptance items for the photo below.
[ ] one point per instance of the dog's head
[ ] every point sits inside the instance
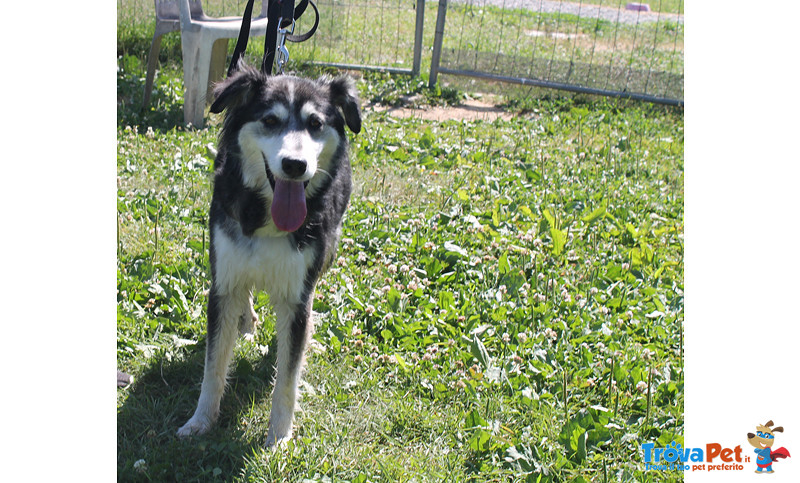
(289, 131)
(765, 436)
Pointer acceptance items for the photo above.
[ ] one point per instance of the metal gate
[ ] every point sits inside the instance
(595, 49)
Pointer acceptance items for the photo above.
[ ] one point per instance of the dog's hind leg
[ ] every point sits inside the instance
(294, 327)
(225, 312)
(247, 324)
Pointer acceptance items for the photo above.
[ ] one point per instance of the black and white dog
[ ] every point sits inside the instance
(281, 186)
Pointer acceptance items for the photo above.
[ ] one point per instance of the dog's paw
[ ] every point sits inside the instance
(275, 445)
(248, 323)
(195, 426)
(276, 441)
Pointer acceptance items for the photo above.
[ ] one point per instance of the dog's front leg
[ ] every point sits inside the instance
(294, 327)
(225, 311)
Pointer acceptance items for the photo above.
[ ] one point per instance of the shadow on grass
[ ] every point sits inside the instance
(164, 396)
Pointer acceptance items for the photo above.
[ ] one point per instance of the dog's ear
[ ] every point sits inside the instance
(345, 96)
(779, 429)
(236, 89)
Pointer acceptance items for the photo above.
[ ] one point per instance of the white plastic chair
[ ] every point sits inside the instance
(204, 46)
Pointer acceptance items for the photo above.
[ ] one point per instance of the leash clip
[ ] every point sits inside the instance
(282, 57)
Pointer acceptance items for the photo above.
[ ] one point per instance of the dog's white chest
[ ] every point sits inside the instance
(266, 263)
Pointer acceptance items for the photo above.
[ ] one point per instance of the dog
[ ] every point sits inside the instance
(282, 182)
(763, 441)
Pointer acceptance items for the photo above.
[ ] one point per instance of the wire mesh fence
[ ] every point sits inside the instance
(600, 48)
(373, 34)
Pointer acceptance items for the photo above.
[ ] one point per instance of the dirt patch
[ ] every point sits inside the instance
(470, 110)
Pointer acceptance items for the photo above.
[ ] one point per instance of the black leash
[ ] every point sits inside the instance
(281, 16)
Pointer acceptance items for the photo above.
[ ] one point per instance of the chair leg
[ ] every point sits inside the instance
(152, 60)
(219, 54)
(189, 51)
(200, 86)
(196, 58)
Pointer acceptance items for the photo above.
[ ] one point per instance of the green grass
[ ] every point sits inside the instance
(504, 291)
(507, 304)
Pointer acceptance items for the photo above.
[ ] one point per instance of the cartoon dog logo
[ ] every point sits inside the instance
(762, 441)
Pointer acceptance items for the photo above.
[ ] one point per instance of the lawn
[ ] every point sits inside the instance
(507, 303)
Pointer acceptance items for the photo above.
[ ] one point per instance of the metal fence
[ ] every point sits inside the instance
(588, 48)
(599, 48)
(384, 35)
(381, 35)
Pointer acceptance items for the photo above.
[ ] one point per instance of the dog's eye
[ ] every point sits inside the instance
(314, 123)
(271, 122)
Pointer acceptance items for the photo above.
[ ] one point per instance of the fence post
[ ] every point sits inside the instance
(437, 43)
(415, 67)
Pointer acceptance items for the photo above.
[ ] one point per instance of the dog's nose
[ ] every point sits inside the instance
(293, 168)
(750, 435)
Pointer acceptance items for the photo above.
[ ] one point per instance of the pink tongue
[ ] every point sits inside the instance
(288, 205)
